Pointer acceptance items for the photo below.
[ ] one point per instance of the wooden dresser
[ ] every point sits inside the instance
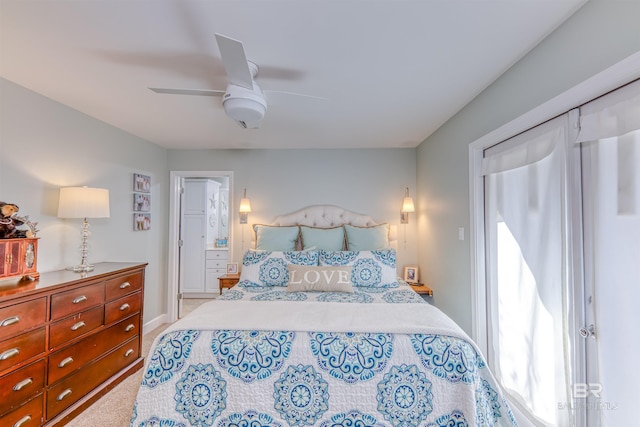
(66, 339)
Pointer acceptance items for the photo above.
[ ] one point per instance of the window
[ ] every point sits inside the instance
(558, 266)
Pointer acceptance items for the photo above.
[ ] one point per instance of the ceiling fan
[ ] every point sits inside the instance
(243, 100)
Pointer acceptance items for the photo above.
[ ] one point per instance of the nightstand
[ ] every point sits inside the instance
(228, 281)
(422, 289)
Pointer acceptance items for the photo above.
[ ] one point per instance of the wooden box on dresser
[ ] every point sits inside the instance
(66, 339)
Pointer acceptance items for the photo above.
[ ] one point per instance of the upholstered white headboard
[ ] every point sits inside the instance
(326, 216)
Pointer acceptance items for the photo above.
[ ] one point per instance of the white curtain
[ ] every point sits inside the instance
(527, 286)
(611, 170)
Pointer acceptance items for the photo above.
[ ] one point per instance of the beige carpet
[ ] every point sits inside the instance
(114, 408)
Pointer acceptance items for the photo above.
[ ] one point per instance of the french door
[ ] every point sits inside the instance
(562, 264)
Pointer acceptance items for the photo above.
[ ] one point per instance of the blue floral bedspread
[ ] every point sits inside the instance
(255, 377)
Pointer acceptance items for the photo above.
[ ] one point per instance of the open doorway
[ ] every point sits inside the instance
(200, 205)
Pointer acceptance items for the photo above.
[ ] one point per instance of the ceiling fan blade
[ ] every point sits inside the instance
(235, 61)
(199, 92)
(278, 97)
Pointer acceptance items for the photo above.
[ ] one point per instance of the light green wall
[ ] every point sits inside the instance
(368, 181)
(45, 145)
(600, 34)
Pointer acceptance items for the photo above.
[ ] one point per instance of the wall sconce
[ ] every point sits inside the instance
(407, 207)
(83, 202)
(245, 208)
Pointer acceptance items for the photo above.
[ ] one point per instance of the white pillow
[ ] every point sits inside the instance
(374, 269)
(270, 268)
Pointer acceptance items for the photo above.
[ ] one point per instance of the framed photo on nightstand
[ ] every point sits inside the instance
(411, 274)
(232, 268)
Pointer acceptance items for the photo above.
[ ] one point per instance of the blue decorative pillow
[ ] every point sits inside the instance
(271, 268)
(374, 269)
(274, 238)
(367, 238)
(329, 239)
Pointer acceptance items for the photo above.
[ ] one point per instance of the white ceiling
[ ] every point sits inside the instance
(393, 71)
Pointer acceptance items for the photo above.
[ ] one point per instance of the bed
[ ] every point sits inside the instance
(318, 332)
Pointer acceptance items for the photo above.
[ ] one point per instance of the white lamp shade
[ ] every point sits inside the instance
(407, 205)
(83, 202)
(245, 205)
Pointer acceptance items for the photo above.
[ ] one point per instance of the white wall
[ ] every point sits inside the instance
(371, 182)
(600, 34)
(44, 146)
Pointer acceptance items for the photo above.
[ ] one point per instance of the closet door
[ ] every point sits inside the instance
(193, 251)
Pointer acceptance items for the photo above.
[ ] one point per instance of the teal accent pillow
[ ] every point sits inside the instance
(367, 238)
(274, 238)
(329, 239)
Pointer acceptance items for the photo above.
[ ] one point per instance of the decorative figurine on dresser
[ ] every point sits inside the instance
(18, 245)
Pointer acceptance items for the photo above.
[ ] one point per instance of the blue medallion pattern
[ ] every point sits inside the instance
(231, 295)
(403, 296)
(254, 257)
(201, 395)
(301, 395)
(352, 357)
(387, 257)
(302, 257)
(366, 272)
(454, 419)
(447, 357)
(345, 297)
(372, 290)
(274, 272)
(404, 396)
(249, 419)
(171, 354)
(161, 422)
(337, 258)
(353, 418)
(251, 355)
(487, 404)
(280, 296)
(254, 289)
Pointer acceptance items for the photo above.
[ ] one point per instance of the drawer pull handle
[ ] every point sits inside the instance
(64, 394)
(64, 362)
(10, 321)
(128, 353)
(130, 327)
(9, 353)
(125, 285)
(22, 384)
(22, 421)
(78, 326)
(124, 307)
(78, 300)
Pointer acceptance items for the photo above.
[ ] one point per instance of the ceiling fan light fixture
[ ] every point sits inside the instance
(243, 104)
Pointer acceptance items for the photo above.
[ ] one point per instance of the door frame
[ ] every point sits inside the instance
(173, 259)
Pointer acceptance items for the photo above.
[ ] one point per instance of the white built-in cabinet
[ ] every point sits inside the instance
(201, 261)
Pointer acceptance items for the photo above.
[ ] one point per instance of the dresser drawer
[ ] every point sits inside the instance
(76, 300)
(121, 308)
(217, 254)
(216, 263)
(68, 360)
(123, 285)
(19, 386)
(75, 387)
(21, 348)
(72, 327)
(21, 317)
(28, 415)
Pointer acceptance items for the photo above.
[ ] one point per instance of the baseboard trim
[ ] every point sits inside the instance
(154, 323)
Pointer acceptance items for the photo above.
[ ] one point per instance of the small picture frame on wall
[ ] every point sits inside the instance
(232, 268)
(141, 202)
(141, 183)
(411, 274)
(141, 222)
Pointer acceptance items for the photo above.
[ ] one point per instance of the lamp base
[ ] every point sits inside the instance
(83, 268)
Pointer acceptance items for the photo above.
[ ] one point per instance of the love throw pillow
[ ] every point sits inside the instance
(319, 279)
